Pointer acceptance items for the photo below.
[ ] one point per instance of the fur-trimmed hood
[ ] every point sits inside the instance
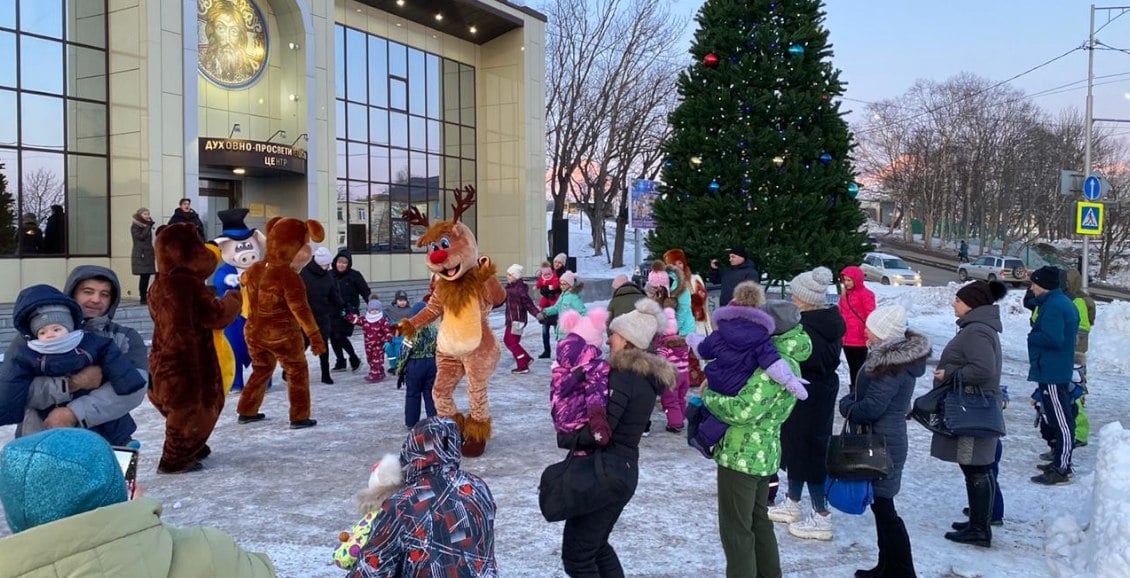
(660, 371)
(743, 313)
(895, 355)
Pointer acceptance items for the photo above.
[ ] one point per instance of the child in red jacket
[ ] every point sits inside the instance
(378, 332)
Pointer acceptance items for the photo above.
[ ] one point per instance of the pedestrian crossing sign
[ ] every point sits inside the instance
(1089, 218)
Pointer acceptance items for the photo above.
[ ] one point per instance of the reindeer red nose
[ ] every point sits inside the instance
(438, 256)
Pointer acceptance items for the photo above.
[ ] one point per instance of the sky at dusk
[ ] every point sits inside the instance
(883, 46)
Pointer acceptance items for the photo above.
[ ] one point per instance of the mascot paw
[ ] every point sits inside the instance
(232, 280)
(317, 344)
(405, 329)
(475, 436)
(486, 267)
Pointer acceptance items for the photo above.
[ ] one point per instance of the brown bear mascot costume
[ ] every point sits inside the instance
(466, 289)
(277, 315)
(186, 384)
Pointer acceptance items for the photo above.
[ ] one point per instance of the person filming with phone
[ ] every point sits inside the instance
(741, 269)
(67, 503)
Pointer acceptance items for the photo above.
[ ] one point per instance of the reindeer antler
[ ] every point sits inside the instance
(414, 217)
(463, 202)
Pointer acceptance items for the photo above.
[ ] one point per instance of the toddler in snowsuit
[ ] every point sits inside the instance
(578, 393)
(669, 345)
(385, 479)
(54, 348)
(400, 309)
(418, 370)
(740, 345)
(378, 332)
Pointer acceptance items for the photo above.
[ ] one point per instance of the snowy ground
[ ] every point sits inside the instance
(289, 493)
(589, 264)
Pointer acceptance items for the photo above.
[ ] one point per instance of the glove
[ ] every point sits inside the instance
(598, 424)
(317, 344)
(406, 329)
(231, 280)
(782, 374)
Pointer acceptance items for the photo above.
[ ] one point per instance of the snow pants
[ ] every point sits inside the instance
(747, 534)
(675, 400)
(419, 376)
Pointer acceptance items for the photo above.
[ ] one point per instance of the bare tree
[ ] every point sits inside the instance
(40, 189)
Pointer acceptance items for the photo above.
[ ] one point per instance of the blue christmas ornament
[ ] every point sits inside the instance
(741, 143)
(772, 46)
(825, 158)
(796, 50)
(853, 190)
(714, 186)
(666, 164)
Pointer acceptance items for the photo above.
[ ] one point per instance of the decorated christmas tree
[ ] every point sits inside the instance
(759, 154)
(7, 217)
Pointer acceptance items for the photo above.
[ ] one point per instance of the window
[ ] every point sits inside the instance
(405, 137)
(54, 137)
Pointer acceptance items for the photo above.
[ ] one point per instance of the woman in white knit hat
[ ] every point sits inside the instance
(883, 389)
(634, 382)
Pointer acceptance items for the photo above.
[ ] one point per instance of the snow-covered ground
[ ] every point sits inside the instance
(289, 493)
(589, 264)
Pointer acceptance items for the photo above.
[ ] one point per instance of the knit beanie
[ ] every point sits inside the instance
(659, 279)
(515, 270)
(619, 281)
(561, 258)
(980, 293)
(375, 304)
(739, 251)
(48, 314)
(569, 278)
(639, 325)
(811, 286)
(322, 256)
(56, 474)
(887, 322)
(785, 315)
(1046, 277)
(590, 327)
(748, 294)
(401, 295)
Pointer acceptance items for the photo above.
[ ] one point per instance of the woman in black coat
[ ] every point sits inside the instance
(324, 299)
(805, 434)
(354, 290)
(634, 382)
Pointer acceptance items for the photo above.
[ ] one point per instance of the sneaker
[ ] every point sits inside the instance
(339, 366)
(252, 418)
(1052, 478)
(647, 429)
(544, 355)
(814, 527)
(519, 371)
(788, 512)
(674, 429)
(1051, 468)
(1047, 456)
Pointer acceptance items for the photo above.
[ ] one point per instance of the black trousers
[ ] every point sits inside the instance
(895, 558)
(1057, 423)
(143, 286)
(338, 344)
(585, 550)
(856, 356)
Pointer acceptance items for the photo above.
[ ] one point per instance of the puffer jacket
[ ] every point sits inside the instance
(518, 302)
(752, 444)
(1086, 306)
(578, 392)
(568, 301)
(739, 346)
(681, 291)
(549, 288)
(322, 295)
(130, 542)
(804, 436)
(441, 523)
(353, 288)
(882, 398)
(856, 306)
(623, 301)
(1051, 341)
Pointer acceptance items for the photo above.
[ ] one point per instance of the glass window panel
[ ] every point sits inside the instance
(378, 126)
(8, 59)
(358, 161)
(398, 165)
(467, 172)
(418, 165)
(417, 82)
(340, 120)
(450, 172)
(86, 127)
(397, 59)
(86, 22)
(398, 129)
(41, 121)
(433, 170)
(417, 133)
(432, 86)
(356, 66)
(8, 14)
(339, 61)
(10, 169)
(358, 122)
(42, 17)
(8, 134)
(467, 143)
(450, 139)
(41, 185)
(435, 143)
(380, 224)
(397, 94)
(88, 197)
(41, 65)
(378, 71)
(357, 232)
(378, 164)
(86, 73)
(450, 91)
(342, 158)
(466, 95)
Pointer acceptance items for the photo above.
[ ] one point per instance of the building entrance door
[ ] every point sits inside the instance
(216, 195)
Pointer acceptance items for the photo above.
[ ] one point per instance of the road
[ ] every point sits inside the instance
(932, 276)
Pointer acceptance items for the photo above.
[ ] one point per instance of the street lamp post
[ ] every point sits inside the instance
(1089, 130)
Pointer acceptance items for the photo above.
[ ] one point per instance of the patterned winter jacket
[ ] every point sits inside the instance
(377, 331)
(578, 393)
(670, 345)
(441, 523)
(739, 346)
(752, 444)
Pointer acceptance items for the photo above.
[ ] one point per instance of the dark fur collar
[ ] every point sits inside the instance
(645, 364)
(892, 356)
(752, 314)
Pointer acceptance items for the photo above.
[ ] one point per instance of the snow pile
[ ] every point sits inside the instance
(1102, 547)
(1107, 346)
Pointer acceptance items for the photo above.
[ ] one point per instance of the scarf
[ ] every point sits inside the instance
(372, 317)
(63, 344)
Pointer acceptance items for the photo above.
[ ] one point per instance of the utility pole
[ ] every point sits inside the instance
(1089, 131)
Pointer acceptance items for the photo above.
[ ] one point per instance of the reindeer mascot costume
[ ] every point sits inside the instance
(466, 289)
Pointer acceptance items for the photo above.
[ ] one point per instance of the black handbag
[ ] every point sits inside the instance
(969, 411)
(928, 411)
(583, 484)
(858, 455)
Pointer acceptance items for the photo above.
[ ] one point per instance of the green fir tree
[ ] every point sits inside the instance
(8, 231)
(760, 155)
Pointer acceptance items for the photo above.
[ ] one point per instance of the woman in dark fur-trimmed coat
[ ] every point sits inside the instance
(882, 398)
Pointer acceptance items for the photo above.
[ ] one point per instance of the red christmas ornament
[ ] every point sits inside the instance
(711, 60)
(824, 97)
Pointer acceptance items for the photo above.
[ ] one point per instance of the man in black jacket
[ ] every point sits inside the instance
(185, 214)
(740, 269)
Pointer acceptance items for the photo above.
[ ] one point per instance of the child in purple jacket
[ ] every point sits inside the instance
(740, 345)
(578, 393)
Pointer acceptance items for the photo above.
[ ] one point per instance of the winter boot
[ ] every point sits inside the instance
(978, 532)
(787, 512)
(339, 365)
(164, 467)
(475, 436)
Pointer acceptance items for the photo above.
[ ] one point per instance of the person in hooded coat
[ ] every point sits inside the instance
(856, 304)
(324, 299)
(354, 290)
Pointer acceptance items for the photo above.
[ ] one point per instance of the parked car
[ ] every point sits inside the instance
(889, 270)
(995, 268)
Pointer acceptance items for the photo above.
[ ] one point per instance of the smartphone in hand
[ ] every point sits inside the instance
(127, 460)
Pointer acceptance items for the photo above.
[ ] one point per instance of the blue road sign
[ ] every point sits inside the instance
(1092, 188)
